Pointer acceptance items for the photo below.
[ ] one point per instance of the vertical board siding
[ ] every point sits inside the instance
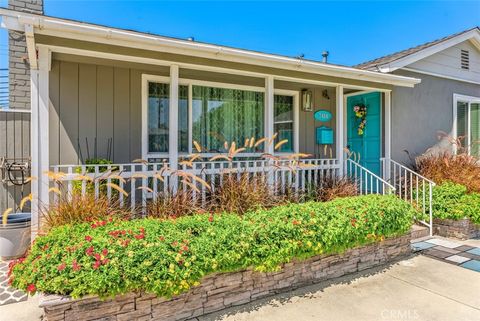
(14, 144)
(135, 138)
(105, 88)
(69, 113)
(87, 110)
(307, 126)
(98, 104)
(54, 113)
(121, 115)
(11, 189)
(3, 151)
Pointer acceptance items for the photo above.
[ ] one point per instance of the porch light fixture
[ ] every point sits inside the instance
(307, 101)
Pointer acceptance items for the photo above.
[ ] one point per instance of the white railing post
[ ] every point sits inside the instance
(173, 126)
(430, 196)
(339, 124)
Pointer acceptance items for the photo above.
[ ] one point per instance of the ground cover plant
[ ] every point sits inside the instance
(167, 257)
(452, 201)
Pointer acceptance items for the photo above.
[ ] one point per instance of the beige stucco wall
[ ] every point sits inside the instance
(420, 114)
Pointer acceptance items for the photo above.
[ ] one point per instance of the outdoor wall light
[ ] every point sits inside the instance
(307, 100)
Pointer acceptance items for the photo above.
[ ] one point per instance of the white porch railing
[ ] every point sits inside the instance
(143, 181)
(412, 187)
(133, 178)
(367, 182)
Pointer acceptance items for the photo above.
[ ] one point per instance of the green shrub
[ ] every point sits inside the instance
(451, 201)
(90, 186)
(167, 257)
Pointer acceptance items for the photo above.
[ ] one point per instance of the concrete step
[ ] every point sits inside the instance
(419, 232)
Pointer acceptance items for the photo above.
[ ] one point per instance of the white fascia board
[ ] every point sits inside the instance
(473, 36)
(105, 35)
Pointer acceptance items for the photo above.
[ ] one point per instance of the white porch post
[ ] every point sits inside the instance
(39, 135)
(339, 124)
(173, 126)
(269, 97)
(388, 134)
(269, 147)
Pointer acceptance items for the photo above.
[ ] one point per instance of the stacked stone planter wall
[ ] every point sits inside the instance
(460, 229)
(223, 290)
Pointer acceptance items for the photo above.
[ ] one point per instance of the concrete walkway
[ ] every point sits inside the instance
(22, 311)
(419, 288)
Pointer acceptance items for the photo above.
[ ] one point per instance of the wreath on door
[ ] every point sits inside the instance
(361, 115)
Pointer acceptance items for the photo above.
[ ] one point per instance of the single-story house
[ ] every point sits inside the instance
(80, 91)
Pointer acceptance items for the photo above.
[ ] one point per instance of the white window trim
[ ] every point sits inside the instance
(146, 78)
(469, 100)
(294, 121)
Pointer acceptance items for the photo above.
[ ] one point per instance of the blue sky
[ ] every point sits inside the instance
(352, 31)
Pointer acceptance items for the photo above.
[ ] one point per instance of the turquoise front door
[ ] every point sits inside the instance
(366, 146)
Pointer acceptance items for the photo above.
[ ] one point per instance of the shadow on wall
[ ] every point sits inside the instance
(447, 143)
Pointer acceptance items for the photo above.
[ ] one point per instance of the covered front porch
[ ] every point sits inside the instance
(141, 103)
(140, 121)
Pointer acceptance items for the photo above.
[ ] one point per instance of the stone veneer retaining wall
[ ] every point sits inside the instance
(460, 229)
(223, 290)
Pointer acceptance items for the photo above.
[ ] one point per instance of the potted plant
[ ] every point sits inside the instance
(14, 234)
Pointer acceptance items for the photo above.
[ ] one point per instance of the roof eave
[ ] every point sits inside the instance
(82, 31)
(473, 36)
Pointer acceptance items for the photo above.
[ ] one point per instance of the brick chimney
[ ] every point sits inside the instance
(18, 66)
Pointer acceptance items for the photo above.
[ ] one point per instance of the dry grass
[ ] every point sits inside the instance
(330, 188)
(461, 169)
(173, 205)
(82, 208)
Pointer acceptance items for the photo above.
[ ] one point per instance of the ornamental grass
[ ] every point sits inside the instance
(331, 187)
(173, 205)
(242, 193)
(76, 208)
(459, 168)
(168, 257)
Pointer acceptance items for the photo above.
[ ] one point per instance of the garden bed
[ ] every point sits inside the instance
(462, 229)
(223, 290)
(205, 262)
(456, 212)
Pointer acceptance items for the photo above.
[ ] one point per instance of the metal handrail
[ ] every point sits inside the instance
(361, 175)
(410, 186)
(409, 170)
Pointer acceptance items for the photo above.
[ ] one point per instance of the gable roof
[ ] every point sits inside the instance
(81, 31)
(405, 57)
